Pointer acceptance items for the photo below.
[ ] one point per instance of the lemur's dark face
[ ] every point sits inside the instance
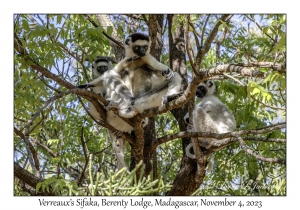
(201, 91)
(100, 65)
(140, 50)
(101, 69)
(203, 88)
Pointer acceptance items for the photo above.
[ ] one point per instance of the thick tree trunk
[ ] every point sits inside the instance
(155, 33)
(185, 182)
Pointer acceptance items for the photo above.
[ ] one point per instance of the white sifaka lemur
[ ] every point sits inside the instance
(109, 84)
(150, 82)
(209, 115)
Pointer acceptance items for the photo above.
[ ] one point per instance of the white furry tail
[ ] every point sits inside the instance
(119, 150)
(210, 164)
(188, 153)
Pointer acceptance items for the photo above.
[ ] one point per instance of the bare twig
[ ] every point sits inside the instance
(32, 154)
(264, 139)
(187, 45)
(266, 105)
(234, 79)
(260, 27)
(49, 86)
(86, 157)
(21, 120)
(203, 30)
(195, 35)
(209, 40)
(46, 148)
(218, 44)
(61, 28)
(83, 143)
(37, 124)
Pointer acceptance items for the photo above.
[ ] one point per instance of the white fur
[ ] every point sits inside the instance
(102, 85)
(137, 89)
(210, 115)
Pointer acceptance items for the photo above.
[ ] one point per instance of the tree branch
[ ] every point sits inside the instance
(86, 157)
(49, 86)
(257, 155)
(219, 137)
(201, 52)
(31, 147)
(201, 161)
(266, 105)
(264, 139)
(218, 44)
(187, 45)
(203, 30)
(46, 148)
(28, 178)
(281, 67)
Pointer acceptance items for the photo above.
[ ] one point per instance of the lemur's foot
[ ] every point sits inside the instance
(168, 98)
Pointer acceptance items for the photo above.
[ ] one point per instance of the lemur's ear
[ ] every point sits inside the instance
(127, 41)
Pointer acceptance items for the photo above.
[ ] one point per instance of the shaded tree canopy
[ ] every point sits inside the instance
(59, 149)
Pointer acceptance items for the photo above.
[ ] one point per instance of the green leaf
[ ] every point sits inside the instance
(242, 92)
(79, 30)
(59, 18)
(281, 45)
(25, 25)
(109, 30)
(52, 141)
(120, 31)
(49, 181)
(282, 82)
(38, 186)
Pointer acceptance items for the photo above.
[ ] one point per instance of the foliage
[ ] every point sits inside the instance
(121, 183)
(64, 136)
